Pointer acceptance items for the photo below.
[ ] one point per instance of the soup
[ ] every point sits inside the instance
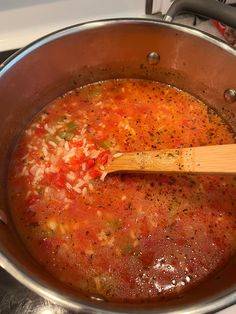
(128, 237)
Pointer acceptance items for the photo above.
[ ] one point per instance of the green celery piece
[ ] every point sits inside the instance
(106, 144)
(114, 224)
(40, 190)
(52, 139)
(127, 248)
(62, 118)
(96, 91)
(68, 136)
(71, 126)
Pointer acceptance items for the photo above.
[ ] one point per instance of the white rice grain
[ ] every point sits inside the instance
(80, 183)
(90, 186)
(117, 155)
(84, 191)
(71, 176)
(28, 132)
(66, 145)
(103, 175)
(70, 154)
(52, 144)
(50, 130)
(45, 151)
(94, 154)
(69, 186)
(77, 189)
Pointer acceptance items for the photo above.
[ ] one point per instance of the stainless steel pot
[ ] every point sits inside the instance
(181, 56)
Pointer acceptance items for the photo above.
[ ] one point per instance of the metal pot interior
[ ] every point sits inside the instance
(189, 60)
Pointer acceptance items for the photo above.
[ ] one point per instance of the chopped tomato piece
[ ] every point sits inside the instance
(64, 167)
(77, 159)
(181, 242)
(119, 97)
(32, 199)
(103, 157)
(40, 130)
(90, 163)
(76, 144)
(59, 180)
(94, 173)
(71, 194)
(186, 124)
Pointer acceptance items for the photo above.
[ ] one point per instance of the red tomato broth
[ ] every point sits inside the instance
(131, 237)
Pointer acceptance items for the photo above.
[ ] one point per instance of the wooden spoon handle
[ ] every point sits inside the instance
(218, 159)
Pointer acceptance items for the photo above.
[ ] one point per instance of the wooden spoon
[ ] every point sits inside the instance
(217, 159)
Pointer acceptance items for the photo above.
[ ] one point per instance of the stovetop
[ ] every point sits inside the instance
(17, 299)
(5, 54)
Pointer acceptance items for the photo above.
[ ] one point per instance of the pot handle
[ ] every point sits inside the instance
(209, 8)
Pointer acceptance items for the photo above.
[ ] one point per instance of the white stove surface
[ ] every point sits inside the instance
(229, 310)
(22, 21)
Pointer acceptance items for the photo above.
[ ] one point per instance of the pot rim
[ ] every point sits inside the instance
(19, 272)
